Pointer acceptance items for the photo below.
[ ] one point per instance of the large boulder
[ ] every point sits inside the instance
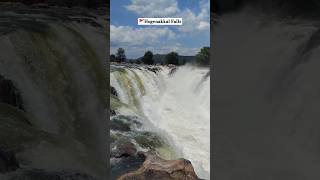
(124, 150)
(124, 159)
(155, 167)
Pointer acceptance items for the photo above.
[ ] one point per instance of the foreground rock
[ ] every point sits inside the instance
(155, 167)
(124, 150)
(124, 159)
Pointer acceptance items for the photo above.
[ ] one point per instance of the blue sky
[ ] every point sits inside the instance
(186, 39)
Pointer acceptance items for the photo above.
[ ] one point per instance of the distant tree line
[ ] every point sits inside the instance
(119, 57)
(202, 58)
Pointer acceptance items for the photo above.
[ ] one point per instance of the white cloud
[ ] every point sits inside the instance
(195, 23)
(140, 36)
(203, 25)
(147, 8)
(161, 39)
(192, 22)
(136, 41)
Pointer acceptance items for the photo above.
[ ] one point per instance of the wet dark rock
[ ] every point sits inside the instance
(148, 140)
(155, 167)
(172, 71)
(119, 137)
(122, 166)
(9, 94)
(119, 125)
(8, 162)
(154, 69)
(122, 147)
(123, 123)
(124, 150)
(113, 91)
(124, 159)
(112, 112)
(37, 174)
(130, 120)
(137, 123)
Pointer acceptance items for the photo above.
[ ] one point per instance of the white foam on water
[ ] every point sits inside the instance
(178, 105)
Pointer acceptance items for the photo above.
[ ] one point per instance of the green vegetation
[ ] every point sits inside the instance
(113, 58)
(203, 57)
(182, 62)
(148, 58)
(172, 58)
(120, 56)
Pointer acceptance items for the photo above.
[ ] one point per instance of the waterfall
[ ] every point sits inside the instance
(57, 64)
(175, 103)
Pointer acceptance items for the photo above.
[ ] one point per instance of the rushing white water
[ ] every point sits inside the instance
(176, 104)
(58, 68)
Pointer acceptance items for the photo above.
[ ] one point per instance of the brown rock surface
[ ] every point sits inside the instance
(155, 167)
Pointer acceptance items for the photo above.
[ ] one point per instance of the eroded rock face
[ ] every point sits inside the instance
(9, 93)
(155, 167)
